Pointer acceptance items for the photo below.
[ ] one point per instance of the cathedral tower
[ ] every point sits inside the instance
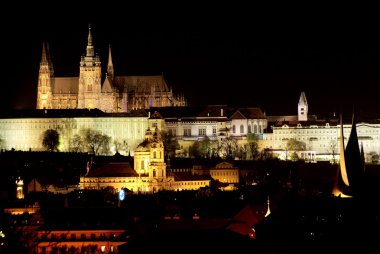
(302, 108)
(45, 80)
(89, 77)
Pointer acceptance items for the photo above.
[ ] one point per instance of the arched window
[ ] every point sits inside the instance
(260, 129)
(233, 129)
(254, 128)
(154, 155)
(154, 173)
(241, 128)
(142, 165)
(160, 155)
(249, 128)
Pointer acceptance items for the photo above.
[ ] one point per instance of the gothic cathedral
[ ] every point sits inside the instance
(117, 94)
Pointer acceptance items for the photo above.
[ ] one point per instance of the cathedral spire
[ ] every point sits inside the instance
(44, 58)
(90, 47)
(110, 70)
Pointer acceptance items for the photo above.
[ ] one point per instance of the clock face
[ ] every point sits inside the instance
(121, 195)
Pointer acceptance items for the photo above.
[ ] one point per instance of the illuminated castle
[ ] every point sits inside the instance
(117, 94)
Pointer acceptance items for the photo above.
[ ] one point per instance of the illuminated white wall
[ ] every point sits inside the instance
(320, 138)
(25, 133)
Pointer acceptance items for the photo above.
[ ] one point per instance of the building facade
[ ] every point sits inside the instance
(149, 174)
(320, 136)
(89, 90)
(23, 129)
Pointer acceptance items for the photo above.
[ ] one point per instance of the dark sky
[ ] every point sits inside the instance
(230, 57)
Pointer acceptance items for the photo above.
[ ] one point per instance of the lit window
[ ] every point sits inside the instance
(187, 132)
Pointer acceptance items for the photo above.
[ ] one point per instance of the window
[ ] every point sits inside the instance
(89, 88)
(154, 155)
(154, 125)
(154, 173)
(260, 129)
(233, 129)
(241, 128)
(255, 129)
(249, 128)
(142, 165)
(213, 131)
(187, 132)
(172, 132)
(202, 132)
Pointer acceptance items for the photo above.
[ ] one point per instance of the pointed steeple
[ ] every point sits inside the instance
(353, 159)
(362, 156)
(268, 208)
(90, 47)
(342, 159)
(44, 58)
(110, 70)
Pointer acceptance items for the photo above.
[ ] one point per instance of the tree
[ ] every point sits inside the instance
(95, 141)
(170, 144)
(121, 146)
(295, 145)
(2, 142)
(50, 140)
(333, 146)
(228, 148)
(76, 144)
(204, 147)
(253, 146)
(194, 150)
(266, 154)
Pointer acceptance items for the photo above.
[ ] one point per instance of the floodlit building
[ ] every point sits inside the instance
(89, 90)
(149, 174)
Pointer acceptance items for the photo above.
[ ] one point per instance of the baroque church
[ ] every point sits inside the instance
(116, 94)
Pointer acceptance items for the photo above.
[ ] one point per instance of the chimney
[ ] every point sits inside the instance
(221, 112)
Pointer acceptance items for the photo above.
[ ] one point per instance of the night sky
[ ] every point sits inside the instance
(213, 57)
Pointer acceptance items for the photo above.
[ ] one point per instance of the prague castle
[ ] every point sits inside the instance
(116, 94)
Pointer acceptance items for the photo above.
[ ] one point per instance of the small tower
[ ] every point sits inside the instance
(19, 188)
(45, 80)
(89, 89)
(157, 166)
(302, 108)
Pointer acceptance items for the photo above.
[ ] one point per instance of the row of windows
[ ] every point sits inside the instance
(256, 128)
(230, 173)
(74, 236)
